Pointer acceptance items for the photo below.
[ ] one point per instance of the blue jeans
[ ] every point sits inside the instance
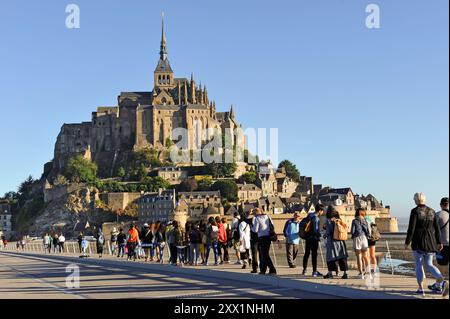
(214, 246)
(420, 258)
(194, 253)
(161, 251)
(181, 254)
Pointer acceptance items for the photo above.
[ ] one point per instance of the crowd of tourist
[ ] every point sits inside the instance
(249, 238)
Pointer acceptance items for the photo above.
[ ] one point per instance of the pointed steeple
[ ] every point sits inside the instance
(163, 48)
(231, 112)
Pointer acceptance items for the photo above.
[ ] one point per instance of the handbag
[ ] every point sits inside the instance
(273, 235)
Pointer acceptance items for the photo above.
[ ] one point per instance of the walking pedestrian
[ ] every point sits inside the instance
(133, 240)
(147, 241)
(113, 237)
(121, 243)
(254, 244)
(79, 240)
(372, 241)
(337, 254)
(55, 243)
(100, 242)
(170, 233)
(244, 228)
(222, 241)
(290, 232)
(262, 225)
(46, 242)
(312, 239)
(235, 237)
(212, 239)
(360, 233)
(424, 236)
(180, 243)
(195, 239)
(160, 241)
(442, 256)
(61, 241)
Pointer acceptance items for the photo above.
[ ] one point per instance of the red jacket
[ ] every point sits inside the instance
(222, 233)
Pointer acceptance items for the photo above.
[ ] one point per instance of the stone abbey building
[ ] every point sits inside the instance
(145, 119)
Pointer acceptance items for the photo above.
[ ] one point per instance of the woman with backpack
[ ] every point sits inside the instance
(335, 236)
(360, 231)
(212, 239)
(180, 243)
(372, 240)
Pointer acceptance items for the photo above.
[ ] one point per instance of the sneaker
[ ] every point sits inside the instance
(292, 266)
(216, 264)
(238, 262)
(436, 287)
(304, 272)
(261, 273)
(317, 274)
(361, 276)
(244, 266)
(272, 273)
(328, 276)
(254, 272)
(345, 276)
(420, 292)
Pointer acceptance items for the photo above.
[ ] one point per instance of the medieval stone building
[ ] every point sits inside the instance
(146, 119)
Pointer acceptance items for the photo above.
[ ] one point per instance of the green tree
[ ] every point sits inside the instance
(121, 172)
(154, 183)
(291, 170)
(228, 169)
(249, 177)
(228, 189)
(205, 183)
(80, 169)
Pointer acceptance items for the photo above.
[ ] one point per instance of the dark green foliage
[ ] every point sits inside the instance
(291, 170)
(228, 189)
(80, 169)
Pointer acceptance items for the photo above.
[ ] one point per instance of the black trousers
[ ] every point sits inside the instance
(254, 248)
(341, 263)
(173, 253)
(223, 247)
(264, 255)
(311, 247)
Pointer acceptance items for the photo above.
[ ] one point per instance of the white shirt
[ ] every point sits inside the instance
(261, 225)
(244, 236)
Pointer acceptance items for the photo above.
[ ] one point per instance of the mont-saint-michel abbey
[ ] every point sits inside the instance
(146, 119)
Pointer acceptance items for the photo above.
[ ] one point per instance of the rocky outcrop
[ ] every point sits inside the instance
(62, 213)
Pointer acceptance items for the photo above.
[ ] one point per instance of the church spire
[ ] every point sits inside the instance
(163, 48)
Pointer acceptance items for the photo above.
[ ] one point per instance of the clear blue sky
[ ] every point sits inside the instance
(354, 106)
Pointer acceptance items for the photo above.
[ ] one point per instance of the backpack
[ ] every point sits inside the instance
(340, 230)
(304, 228)
(236, 235)
(101, 239)
(375, 233)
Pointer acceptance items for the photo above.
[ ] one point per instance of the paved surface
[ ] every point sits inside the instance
(36, 275)
(25, 275)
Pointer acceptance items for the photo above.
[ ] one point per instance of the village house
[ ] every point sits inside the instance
(5, 218)
(248, 192)
(157, 206)
(173, 175)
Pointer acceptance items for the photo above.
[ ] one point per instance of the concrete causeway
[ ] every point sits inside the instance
(39, 275)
